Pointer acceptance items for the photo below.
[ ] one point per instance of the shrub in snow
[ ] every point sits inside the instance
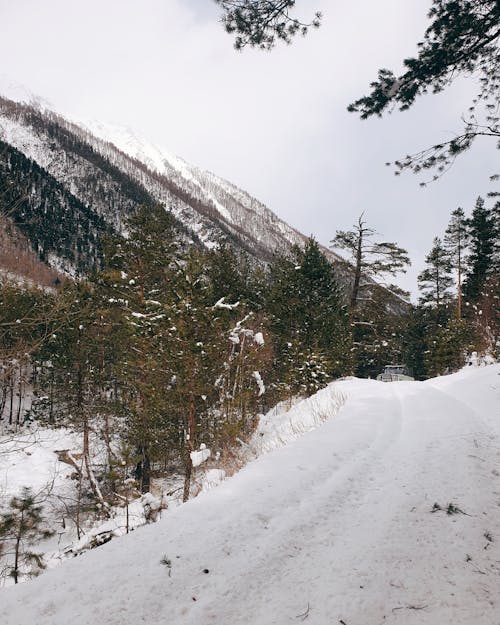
(152, 506)
(21, 527)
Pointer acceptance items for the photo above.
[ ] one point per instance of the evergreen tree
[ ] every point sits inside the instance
(379, 333)
(307, 318)
(232, 278)
(27, 319)
(462, 39)
(446, 346)
(21, 527)
(483, 232)
(371, 259)
(370, 308)
(139, 285)
(260, 23)
(434, 281)
(455, 242)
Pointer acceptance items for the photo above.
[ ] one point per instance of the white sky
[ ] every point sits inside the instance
(273, 123)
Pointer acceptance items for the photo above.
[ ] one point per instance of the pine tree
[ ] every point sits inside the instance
(483, 231)
(261, 23)
(482, 284)
(379, 332)
(307, 316)
(231, 277)
(455, 242)
(370, 259)
(446, 346)
(434, 281)
(461, 39)
(21, 527)
(138, 285)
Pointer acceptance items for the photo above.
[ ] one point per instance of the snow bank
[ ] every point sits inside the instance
(335, 527)
(287, 421)
(198, 457)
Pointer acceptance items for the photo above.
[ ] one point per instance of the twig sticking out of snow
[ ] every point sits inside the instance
(305, 614)
(410, 607)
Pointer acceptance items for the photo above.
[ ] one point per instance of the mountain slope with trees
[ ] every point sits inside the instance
(112, 172)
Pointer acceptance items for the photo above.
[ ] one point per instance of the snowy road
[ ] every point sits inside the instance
(334, 528)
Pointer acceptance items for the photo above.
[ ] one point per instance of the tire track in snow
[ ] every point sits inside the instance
(338, 521)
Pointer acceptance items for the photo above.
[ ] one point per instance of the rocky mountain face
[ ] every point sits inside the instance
(65, 184)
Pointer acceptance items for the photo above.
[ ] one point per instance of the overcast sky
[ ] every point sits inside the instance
(273, 123)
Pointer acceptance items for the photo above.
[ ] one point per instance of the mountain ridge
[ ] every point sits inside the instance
(111, 170)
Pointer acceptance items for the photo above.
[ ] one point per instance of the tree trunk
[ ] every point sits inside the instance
(20, 395)
(143, 470)
(187, 476)
(459, 286)
(189, 449)
(88, 469)
(11, 389)
(15, 570)
(357, 273)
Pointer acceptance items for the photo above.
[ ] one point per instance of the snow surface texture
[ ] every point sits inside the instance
(335, 527)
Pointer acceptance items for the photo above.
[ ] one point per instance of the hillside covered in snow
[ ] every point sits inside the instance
(87, 178)
(366, 503)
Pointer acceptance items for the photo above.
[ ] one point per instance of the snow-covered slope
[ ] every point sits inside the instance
(18, 92)
(347, 524)
(72, 152)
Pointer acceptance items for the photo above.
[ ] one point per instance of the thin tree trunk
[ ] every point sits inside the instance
(15, 570)
(187, 476)
(189, 449)
(459, 287)
(357, 274)
(20, 394)
(88, 469)
(79, 503)
(143, 469)
(3, 399)
(11, 390)
(51, 396)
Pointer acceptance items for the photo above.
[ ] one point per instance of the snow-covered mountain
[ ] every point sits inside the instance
(96, 175)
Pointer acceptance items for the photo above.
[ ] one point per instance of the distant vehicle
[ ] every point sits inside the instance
(395, 373)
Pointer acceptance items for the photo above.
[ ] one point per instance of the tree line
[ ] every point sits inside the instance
(459, 309)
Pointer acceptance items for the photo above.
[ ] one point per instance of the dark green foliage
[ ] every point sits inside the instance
(371, 259)
(379, 332)
(176, 354)
(260, 23)
(231, 277)
(436, 341)
(462, 39)
(447, 346)
(456, 240)
(440, 333)
(27, 319)
(435, 280)
(55, 221)
(307, 318)
(484, 236)
(420, 321)
(21, 526)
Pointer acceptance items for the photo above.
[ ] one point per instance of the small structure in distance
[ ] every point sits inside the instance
(395, 373)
